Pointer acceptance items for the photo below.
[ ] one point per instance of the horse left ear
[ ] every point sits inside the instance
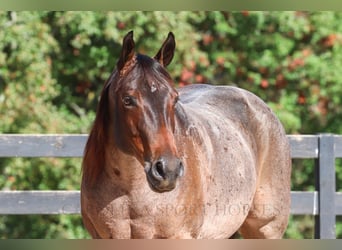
(166, 52)
(127, 52)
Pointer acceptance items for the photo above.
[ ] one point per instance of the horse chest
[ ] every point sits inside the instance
(123, 218)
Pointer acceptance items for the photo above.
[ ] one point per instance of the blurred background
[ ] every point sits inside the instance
(53, 66)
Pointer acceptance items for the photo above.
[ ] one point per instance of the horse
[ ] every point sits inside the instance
(201, 161)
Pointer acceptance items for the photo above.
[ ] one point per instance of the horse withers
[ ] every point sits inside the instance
(201, 161)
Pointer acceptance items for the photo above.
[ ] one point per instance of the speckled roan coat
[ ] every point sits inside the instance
(226, 158)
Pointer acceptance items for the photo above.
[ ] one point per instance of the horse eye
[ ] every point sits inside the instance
(128, 101)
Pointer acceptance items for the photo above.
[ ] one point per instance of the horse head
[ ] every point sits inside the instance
(142, 103)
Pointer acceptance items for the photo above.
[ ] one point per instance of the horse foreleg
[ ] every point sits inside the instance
(268, 216)
(263, 227)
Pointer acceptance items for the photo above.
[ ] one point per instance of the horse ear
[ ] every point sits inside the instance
(127, 52)
(166, 52)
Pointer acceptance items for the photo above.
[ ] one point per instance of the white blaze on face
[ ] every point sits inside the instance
(153, 87)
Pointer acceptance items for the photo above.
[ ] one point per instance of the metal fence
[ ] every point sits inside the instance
(324, 203)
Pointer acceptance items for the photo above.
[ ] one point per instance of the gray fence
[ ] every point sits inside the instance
(324, 203)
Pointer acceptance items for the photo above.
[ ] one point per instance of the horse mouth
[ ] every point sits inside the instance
(160, 188)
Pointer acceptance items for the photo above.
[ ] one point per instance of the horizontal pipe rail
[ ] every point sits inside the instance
(72, 145)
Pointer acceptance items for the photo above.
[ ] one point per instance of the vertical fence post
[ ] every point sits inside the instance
(326, 187)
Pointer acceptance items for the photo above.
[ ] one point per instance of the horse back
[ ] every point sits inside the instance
(237, 108)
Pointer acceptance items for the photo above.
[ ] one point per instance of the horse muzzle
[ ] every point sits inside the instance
(162, 174)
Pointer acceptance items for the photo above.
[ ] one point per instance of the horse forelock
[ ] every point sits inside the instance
(148, 70)
(155, 74)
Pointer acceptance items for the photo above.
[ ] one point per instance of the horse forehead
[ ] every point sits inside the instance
(146, 78)
(149, 85)
(144, 87)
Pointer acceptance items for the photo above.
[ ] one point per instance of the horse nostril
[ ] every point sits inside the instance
(181, 169)
(159, 168)
(160, 172)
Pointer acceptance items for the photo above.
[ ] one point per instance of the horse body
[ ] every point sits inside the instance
(236, 172)
(247, 157)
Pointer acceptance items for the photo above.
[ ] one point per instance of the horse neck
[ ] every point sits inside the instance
(122, 168)
(103, 160)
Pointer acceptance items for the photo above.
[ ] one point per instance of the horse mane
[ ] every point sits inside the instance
(94, 152)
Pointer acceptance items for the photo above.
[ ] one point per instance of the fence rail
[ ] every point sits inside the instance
(324, 203)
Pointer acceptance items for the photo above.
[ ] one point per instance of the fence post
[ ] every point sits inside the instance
(326, 187)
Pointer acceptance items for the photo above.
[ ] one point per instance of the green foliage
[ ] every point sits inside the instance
(53, 66)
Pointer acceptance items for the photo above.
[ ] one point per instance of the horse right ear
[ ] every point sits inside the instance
(166, 52)
(127, 53)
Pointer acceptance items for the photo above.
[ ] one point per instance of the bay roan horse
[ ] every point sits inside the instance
(201, 161)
